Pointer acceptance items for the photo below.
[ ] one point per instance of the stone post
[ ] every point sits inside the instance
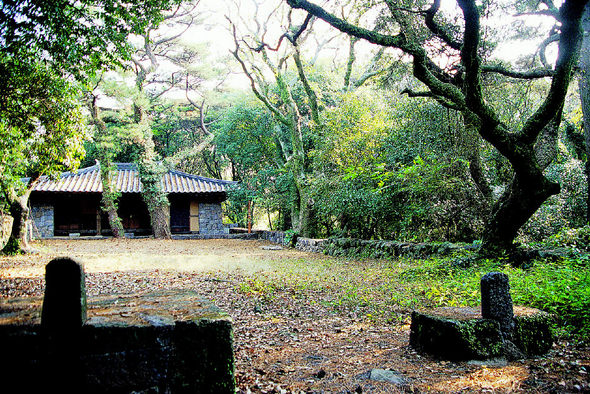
(62, 317)
(496, 302)
(64, 304)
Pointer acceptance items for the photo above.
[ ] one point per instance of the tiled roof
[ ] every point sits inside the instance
(87, 180)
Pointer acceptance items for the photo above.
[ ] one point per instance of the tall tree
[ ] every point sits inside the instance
(462, 88)
(106, 150)
(45, 45)
(41, 130)
(584, 87)
(280, 78)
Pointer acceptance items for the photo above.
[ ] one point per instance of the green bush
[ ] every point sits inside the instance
(578, 238)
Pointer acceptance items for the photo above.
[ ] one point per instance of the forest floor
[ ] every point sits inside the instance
(290, 337)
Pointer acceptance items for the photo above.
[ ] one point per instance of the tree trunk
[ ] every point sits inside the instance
(109, 196)
(109, 202)
(519, 202)
(471, 144)
(307, 217)
(18, 240)
(584, 88)
(160, 220)
(156, 200)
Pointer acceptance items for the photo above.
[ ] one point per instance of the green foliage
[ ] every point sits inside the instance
(567, 210)
(577, 238)
(101, 29)
(561, 288)
(290, 238)
(41, 125)
(12, 247)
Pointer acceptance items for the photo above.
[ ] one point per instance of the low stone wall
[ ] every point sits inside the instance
(364, 248)
(277, 237)
(216, 236)
(310, 245)
(387, 249)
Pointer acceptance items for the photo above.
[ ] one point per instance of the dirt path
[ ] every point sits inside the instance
(292, 341)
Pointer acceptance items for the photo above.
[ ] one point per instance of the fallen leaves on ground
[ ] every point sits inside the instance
(292, 342)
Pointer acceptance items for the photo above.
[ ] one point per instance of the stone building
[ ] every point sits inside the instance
(71, 204)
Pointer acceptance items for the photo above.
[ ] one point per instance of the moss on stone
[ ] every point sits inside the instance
(451, 339)
(533, 334)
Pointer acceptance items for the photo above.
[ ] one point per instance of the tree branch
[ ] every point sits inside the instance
(569, 41)
(438, 30)
(253, 86)
(429, 94)
(424, 68)
(532, 74)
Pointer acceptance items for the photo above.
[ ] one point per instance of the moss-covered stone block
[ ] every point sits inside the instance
(533, 334)
(462, 334)
(453, 339)
(164, 342)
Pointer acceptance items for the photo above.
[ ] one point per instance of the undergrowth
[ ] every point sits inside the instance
(387, 290)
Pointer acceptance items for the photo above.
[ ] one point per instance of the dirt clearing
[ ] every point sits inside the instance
(107, 255)
(291, 338)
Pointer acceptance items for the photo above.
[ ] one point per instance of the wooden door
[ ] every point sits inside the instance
(194, 216)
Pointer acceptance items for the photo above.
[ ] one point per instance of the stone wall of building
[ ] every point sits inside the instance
(210, 219)
(43, 221)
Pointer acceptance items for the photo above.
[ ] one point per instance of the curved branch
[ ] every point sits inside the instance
(429, 94)
(569, 41)
(532, 74)
(438, 30)
(424, 68)
(543, 49)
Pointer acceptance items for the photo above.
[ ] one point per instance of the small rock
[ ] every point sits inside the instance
(271, 247)
(492, 362)
(385, 375)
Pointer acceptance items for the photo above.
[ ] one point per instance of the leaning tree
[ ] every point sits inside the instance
(529, 148)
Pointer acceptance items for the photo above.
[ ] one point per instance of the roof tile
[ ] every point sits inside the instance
(87, 180)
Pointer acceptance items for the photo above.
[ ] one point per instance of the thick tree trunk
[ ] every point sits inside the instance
(160, 220)
(307, 217)
(18, 240)
(155, 199)
(519, 202)
(584, 88)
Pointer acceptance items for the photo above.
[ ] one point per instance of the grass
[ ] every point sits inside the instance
(387, 290)
(376, 290)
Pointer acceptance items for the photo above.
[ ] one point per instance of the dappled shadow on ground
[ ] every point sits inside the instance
(296, 341)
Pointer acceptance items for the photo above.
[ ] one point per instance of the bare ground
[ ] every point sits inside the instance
(292, 341)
